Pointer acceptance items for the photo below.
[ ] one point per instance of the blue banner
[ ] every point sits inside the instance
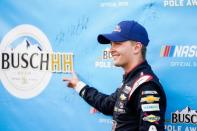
(43, 41)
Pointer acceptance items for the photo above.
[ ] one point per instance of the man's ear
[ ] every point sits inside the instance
(137, 47)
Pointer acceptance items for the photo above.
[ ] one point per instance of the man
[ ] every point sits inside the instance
(140, 103)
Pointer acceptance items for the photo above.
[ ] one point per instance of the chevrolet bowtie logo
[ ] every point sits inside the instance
(149, 99)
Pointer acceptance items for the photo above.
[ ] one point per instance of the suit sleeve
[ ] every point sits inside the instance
(151, 106)
(102, 102)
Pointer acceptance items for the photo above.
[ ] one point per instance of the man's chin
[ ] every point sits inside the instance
(117, 65)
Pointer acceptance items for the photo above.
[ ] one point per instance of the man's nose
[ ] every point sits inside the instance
(112, 47)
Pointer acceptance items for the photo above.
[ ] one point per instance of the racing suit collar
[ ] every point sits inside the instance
(135, 70)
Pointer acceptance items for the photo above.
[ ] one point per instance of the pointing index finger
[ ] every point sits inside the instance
(66, 79)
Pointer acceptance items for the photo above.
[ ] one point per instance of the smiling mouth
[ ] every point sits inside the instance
(115, 57)
(114, 54)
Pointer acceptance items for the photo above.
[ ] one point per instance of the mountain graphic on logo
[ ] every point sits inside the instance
(187, 110)
(27, 46)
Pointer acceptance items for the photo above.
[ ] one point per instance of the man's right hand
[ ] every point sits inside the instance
(72, 82)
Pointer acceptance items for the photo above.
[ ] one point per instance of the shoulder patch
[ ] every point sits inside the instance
(150, 99)
(142, 79)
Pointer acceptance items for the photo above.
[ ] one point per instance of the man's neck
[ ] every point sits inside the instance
(128, 68)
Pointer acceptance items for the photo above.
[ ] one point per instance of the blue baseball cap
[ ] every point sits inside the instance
(126, 30)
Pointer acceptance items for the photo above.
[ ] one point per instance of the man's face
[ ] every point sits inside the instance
(122, 53)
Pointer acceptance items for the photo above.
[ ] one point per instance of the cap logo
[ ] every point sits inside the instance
(117, 29)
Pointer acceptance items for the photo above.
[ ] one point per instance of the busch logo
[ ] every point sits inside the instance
(187, 116)
(27, 61)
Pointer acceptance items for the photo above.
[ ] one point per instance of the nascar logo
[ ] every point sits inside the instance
(178, 51)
